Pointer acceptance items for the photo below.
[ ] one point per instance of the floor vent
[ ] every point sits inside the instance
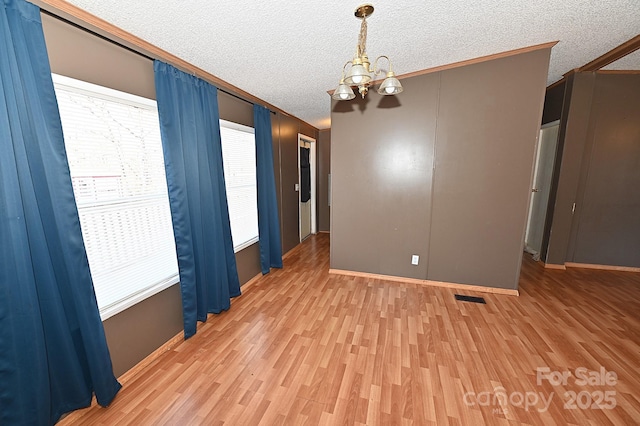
(470, 299)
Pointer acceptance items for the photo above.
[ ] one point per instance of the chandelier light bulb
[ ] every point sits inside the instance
(357, 79)
(389, 89)
(343, 92)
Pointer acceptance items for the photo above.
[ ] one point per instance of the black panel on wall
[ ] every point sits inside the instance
(553, 100)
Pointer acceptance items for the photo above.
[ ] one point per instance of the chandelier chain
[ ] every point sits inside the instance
(362, 39)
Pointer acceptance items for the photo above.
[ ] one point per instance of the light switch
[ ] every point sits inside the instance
(297, 187)
(415, 259)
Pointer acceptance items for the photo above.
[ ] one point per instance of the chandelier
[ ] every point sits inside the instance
(360, 70)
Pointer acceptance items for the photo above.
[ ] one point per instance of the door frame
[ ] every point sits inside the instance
(536, 167)
(312, 160)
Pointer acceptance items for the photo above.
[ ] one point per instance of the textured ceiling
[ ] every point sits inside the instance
(290, 52)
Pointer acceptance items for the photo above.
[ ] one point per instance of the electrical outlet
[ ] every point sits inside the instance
(415, 259)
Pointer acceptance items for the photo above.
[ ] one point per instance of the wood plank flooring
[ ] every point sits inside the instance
(301, 346)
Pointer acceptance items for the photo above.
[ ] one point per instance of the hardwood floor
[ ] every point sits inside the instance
(301, 346)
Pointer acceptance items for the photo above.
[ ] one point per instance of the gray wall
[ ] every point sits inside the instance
(75, 53)
(572, 142)
(286, 151)
(600, 172)
(382, 171)
(289, 129)
(324, 169)
(138, 331)
(442, 170)
(553, 102)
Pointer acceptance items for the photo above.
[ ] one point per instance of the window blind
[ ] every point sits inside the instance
(239, 158)
(115, 158)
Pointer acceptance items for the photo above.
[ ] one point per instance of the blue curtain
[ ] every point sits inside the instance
(53, 351)
(190, 130)
(268, 223)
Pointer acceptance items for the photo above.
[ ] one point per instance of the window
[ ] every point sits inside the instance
(115, 157)
(239, 157)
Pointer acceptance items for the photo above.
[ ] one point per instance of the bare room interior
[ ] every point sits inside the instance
(334, 213)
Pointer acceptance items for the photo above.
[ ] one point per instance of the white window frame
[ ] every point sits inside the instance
(251, 130)
(97, 91)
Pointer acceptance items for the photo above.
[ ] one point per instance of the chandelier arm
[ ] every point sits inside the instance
(377, 70)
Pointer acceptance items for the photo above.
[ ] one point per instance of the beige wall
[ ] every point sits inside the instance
(442, 170)
(138, 331)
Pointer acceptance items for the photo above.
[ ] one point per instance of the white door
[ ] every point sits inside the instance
(307, 183)
(545, 159)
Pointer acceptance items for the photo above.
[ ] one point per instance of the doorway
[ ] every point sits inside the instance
(542, 175)
(307, 186)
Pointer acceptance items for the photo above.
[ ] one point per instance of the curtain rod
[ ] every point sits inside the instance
(137, 52)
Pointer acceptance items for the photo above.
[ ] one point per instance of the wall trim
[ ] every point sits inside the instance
(430, 283)
(295, 249)
(146, 362)
(602, 267)
(479, 59)
(555, 266)
(557, 83)
(618, 72)
(88, 21)
(130, 374)
(613, 55)
(170, 344)
(466, 62)
(252, 281)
